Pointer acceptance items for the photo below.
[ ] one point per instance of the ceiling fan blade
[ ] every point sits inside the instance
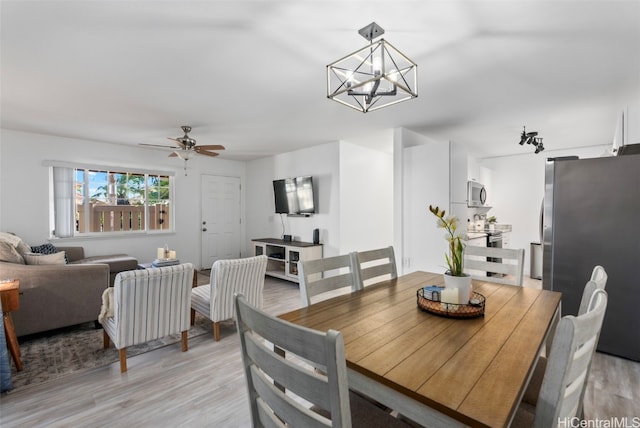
(210, 147)
(173, 155)
(177, 141)
(206, 153)
(158, 145)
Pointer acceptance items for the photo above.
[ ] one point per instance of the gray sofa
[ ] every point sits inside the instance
(54, 296)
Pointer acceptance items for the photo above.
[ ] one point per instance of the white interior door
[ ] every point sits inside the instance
(220, 218)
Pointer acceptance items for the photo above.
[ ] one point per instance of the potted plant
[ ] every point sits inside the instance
(454, 277)
(492, 222)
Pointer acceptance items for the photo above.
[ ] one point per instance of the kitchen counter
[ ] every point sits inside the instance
(496, 228)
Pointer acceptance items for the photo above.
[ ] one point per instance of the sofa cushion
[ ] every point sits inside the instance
(45, 259)
(116, 262)
(8, 253)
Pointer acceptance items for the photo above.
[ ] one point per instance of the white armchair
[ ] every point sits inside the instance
(215, 300)
(147, 304)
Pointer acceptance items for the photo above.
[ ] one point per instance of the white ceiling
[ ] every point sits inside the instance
(251, 74)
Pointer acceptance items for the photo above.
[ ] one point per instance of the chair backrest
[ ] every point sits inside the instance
(598, 281)
(269, 374)
(232, 276)
(506, 261)
(323, 275)
(376, 265)
(151, 303)
(568, 363)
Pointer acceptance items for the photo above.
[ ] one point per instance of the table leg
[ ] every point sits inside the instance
(12, 340)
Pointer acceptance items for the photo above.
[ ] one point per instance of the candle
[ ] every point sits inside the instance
(172, 254)
(160, 253)
(449, 295)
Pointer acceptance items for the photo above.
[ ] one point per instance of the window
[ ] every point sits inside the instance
(93, 201)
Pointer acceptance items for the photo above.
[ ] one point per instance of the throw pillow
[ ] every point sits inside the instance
(23, 248)
(47, 248)
(8, 253)
(10, 238)
(106, 311)
(45, 259)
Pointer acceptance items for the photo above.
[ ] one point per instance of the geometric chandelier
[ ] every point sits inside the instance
(373, 77)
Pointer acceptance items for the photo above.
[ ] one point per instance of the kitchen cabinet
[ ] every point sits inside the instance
(283, 256)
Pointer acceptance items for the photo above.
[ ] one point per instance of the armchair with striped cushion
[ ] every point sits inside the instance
(148, 304)
(215, 300)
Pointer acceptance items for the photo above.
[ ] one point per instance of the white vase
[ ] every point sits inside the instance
(462, 283)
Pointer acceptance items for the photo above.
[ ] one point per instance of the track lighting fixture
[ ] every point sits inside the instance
(531, 138)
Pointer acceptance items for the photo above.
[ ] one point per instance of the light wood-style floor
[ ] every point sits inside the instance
(205, 386)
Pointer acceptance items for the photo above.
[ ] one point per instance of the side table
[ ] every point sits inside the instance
(10, 298)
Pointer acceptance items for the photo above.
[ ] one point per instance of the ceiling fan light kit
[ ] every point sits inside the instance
(187, 147)
(531, 138)
(376, 76)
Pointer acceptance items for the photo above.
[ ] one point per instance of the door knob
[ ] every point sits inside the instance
(204, 229)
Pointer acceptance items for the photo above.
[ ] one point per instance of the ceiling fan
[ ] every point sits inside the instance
(187, 146)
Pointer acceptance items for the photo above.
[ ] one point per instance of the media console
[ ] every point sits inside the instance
(284, 256)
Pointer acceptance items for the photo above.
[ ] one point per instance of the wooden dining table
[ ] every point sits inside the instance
(435, 370)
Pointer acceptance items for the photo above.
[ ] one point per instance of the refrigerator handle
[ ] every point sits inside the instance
(541, 225)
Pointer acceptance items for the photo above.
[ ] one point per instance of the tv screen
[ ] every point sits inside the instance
(294, 195)
(280, 195)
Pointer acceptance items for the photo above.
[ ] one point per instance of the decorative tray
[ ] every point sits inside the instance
(430, 302)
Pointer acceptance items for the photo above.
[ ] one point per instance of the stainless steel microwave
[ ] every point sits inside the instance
(477, 195)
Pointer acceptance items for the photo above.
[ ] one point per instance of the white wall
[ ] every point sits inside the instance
(422, 179)
(366, 198)
(518, 188)
(323, 164)
(24, 190)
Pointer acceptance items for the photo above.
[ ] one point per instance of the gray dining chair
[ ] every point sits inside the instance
(325, 275)
(508, 263)
(567, 368)
(376, 265)
(284, 389)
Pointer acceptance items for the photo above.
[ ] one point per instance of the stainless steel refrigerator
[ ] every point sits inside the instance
(591, 216)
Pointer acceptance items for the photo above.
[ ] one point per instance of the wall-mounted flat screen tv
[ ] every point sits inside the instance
(294, 196)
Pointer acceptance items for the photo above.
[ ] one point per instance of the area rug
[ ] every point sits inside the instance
(79, 348)
(65, 351)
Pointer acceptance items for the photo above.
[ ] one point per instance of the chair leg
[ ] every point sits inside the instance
(193, 316)
(216, 331)
(123, 360)
(105, 340)
(185, 341)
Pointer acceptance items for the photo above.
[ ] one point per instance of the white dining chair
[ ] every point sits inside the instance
(326, 275)
(284, 389)
(376, 265)
(215, 300)
(567, 368)
(598, 281)
(507, 262)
